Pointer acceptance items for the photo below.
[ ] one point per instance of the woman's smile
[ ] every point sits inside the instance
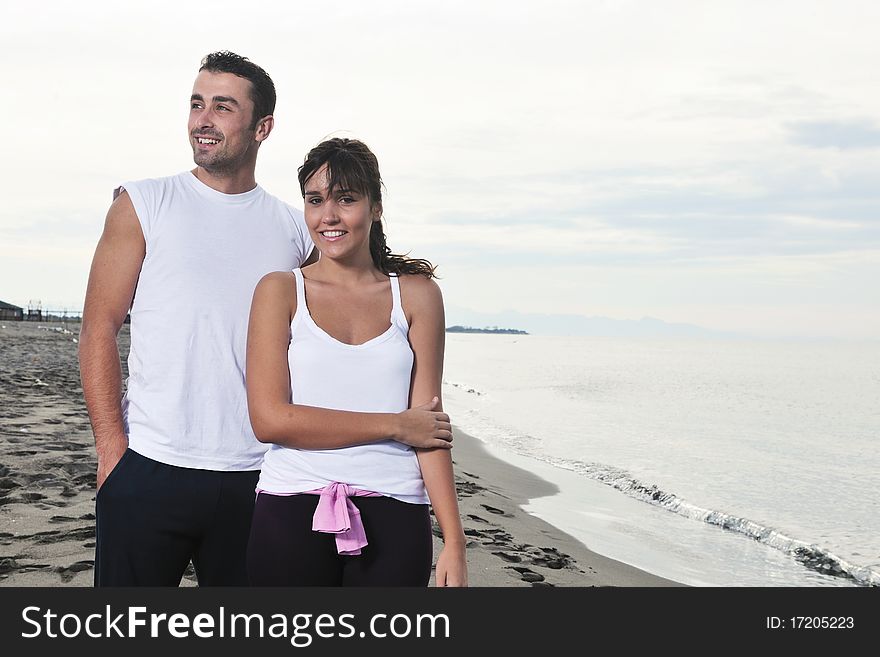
(332, 235)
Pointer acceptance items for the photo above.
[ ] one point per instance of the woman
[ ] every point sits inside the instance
(360, 330)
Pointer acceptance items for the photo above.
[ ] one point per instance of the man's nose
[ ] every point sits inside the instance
(205, 118)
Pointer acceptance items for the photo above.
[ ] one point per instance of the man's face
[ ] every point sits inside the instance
(220, 116)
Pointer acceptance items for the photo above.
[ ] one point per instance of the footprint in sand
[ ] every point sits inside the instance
(57, 536)
(11, 565)
(552, 558)
(73, 468)
(524, 553)
(498, 536)
(61, 519)
(528, 575)
(7, 484)
(467, 488)
(496, 511)
(68, 572)
(40, 478)
(86, 481)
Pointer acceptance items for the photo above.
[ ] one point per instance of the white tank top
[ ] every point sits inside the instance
(185, 402)
(372, 377)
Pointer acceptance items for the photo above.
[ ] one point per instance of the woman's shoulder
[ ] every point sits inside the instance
(275, 285)
(277, 279)
(419, 284)
(419, 293)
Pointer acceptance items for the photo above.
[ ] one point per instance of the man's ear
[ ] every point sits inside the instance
(264, 127)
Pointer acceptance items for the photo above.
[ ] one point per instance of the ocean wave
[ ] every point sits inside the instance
(809, 555)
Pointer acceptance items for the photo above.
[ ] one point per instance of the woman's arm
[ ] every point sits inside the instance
(427, 336)
(275, 420)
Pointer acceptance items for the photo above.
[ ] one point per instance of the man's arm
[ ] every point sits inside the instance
(112, 280)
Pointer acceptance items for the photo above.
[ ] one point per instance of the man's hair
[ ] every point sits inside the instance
(262, 87)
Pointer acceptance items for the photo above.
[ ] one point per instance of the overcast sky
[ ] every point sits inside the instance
(714, 163)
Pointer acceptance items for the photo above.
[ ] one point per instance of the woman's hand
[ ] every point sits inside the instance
(423, 427)
(452, 565)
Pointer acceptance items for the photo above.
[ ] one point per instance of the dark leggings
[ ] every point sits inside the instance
(284, 551)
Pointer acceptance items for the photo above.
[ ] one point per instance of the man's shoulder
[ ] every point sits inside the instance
(281, 203)
(162, 180)
(147, 183)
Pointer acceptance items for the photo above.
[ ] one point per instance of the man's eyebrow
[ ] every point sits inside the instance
(217, 99)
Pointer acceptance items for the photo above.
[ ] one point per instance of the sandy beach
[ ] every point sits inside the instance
(47, 481)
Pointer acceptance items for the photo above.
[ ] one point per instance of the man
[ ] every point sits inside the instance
(177, 458)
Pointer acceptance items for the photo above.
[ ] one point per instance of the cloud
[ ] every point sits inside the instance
(836, 134)
(651, 215)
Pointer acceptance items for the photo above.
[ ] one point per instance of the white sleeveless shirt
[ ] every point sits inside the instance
(185, 402)
(372, 377)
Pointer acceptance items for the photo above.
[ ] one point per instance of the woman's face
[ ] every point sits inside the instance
(339, 222)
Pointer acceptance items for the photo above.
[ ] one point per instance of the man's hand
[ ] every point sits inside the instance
(109, 458)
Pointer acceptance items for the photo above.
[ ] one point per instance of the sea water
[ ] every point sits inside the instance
(710, 462)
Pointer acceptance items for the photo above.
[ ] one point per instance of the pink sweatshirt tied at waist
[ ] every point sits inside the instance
(336, 514)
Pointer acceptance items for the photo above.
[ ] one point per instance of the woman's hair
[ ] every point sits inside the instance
(351, 165)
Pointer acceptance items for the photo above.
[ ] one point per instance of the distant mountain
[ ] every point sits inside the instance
(540, 324)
